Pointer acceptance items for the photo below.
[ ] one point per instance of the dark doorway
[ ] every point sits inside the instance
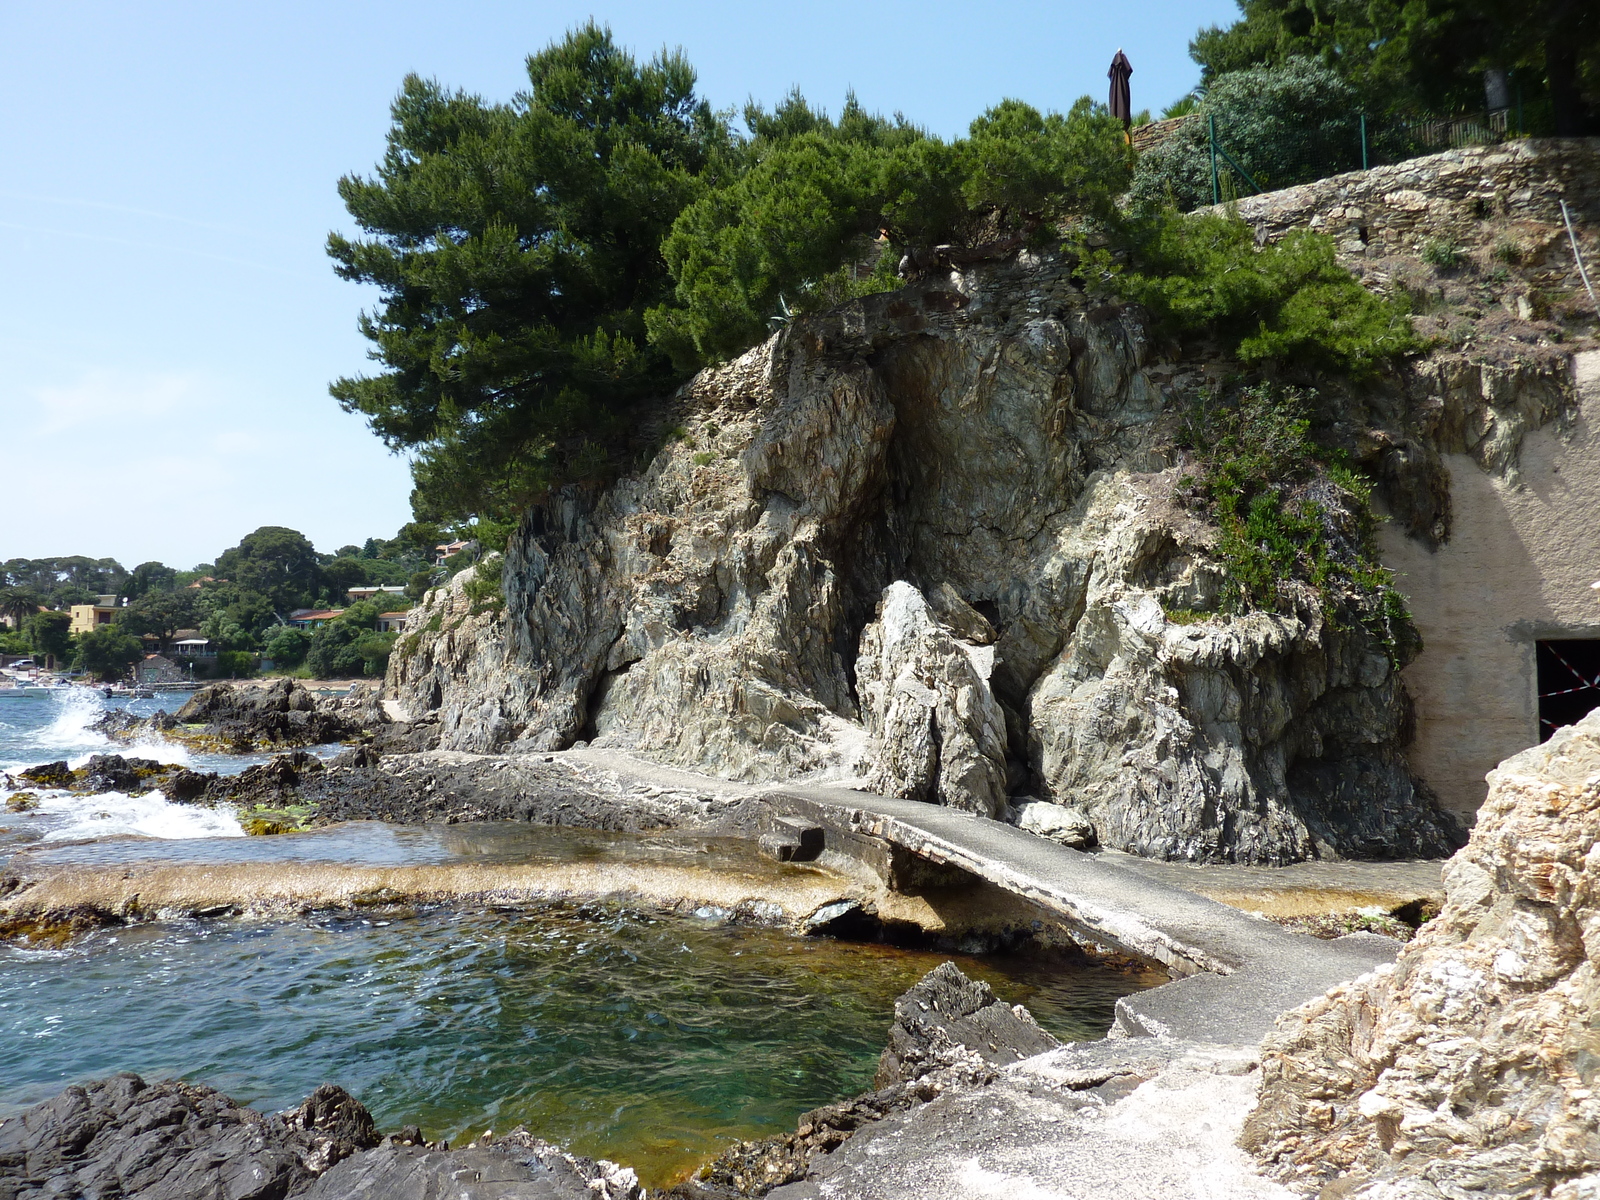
(1569, 682)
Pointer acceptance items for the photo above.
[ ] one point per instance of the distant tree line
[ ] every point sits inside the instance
(241, 603)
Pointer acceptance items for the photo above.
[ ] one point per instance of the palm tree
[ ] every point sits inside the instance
(18, 603)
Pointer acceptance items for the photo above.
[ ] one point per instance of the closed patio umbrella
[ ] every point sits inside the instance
(1121, 104)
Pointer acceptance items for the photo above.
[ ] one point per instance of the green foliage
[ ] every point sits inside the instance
(13, 641)
(418, 585)
(1287, 302)
(1181, 107)
(150, 577)
(1284, 124)
(235, 664)
(1508, 250)
(1287, 510)
(234, 616)
(277, 563)
(1425, 54)
(107, 652)
(19, 603)
(1441, 253)
(160, 613)
(286, 646)
(485, 591)
(825, 210)
(61, 582)
(48, 634)
(517, 247)
(344, 573)
(345, 648)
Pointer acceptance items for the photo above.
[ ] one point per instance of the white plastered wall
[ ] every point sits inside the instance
(1518, 568)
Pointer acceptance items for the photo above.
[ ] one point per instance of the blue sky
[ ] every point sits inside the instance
(168, 320)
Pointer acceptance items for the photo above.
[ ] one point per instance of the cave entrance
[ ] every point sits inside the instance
(1569, 682)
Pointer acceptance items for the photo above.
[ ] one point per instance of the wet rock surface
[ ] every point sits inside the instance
(174, 1141)
(283, 712)
(946, 1013)
(414, 789)
(178, 1141)
(1467, 1067)
(238, 718)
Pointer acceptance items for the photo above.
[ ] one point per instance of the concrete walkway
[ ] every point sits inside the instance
(1238, 972)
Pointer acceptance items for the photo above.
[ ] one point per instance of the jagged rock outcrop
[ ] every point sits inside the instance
(180, 1141)
(993, 441)
(925, 697)
(1469, 1066)
(174, 1141)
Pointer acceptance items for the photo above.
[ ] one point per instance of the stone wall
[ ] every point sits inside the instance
(1450, 196)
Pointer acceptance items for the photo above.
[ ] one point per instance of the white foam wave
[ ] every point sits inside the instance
(114, 814)
(70, 734)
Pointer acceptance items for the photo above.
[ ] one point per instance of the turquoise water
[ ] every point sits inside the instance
(651, 1040)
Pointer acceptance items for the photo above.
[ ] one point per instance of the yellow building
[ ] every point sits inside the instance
(86, 618)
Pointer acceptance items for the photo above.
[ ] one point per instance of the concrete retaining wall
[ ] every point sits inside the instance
(1518, 568)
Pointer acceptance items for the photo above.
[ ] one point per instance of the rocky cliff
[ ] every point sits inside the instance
(1468, 1067)
(930, 539)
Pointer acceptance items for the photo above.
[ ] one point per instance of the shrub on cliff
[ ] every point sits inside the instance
(1287, 510)
(1288, 302)
(826, 211)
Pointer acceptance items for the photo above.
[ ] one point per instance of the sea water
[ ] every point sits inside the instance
(644, 1038)
(39, 729)
(649, 1039)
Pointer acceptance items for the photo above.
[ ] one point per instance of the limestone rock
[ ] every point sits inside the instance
(925, 697)
(1058, 822)
(1469, 1066)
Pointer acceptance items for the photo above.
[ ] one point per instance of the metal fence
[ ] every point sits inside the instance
(1355, 143)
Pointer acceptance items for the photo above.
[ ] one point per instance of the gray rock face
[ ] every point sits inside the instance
(925, 697)
(995, 443)
(1468, 1067)
(174, 1141)
(1058, 822)
(946, 1014)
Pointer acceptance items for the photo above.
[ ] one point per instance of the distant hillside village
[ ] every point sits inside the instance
(270, 605)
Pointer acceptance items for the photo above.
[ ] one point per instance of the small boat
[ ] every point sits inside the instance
(14, 693)
(52, 688)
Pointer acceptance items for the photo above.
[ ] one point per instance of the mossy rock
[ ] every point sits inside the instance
(22, 802)
(263, 826)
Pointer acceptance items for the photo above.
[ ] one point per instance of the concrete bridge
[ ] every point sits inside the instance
(1237, 972)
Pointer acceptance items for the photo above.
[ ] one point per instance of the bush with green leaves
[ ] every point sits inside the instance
(107, 652)
(1287, 302)
(286, 646)
(1287, 509)
(1284, 124)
